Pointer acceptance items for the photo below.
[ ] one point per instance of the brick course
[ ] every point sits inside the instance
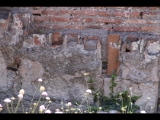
(117, 20)
(123, 19)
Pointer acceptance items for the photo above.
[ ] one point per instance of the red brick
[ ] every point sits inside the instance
(75, 19)
(40, 19)
(135, 21)
(58, 19)
(73, 27)
(83, 12)
(78, 12)
(106, 20)
(134, 14)
(86, 19)
(104, 13)
(151, 15)
(36, 41)
(57, 38)
(113, 54)
(153, 21)
(128, 14)
(49, 12)
(121, 14)
(152, 8)
(91, 13)
(126, 29)
(63, 12)
(150, 29)
(36, 12)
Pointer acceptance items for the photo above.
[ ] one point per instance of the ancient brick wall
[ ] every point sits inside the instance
(124, 40)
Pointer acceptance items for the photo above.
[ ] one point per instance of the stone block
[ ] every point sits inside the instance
(90, 43)
(71, 37)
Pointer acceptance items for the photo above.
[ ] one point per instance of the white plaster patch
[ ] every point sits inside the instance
(154, 47)
(17, 24)
(134, 46)
(114, 45)
(148, 57)
(41, 38)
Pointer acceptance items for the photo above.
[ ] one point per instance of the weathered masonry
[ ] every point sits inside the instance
(60, 44)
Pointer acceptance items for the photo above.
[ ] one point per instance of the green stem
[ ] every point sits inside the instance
(22, 106)
(47, 106)
(122, 104)
(34, 94)
(82, 102)
(12, 106)
(98, 102)
(88, 105)
(79, 110)
(8, 108)
(131, 100)
(129, 106)
(17, 105)
(36, 104)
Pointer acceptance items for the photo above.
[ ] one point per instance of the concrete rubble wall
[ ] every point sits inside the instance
(60, 65)
(139, 71)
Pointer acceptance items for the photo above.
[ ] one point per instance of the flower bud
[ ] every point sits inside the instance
(7, 100)
(40, 80)
(20, 96)
(42, 88)
(41, 108)
(88, 91)
(34, 104)
(142, 111)
(12, 98)
(21, 91)
(47, 98)
(47, 111)
(69, 104)
(44, 93)
(85, 74)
